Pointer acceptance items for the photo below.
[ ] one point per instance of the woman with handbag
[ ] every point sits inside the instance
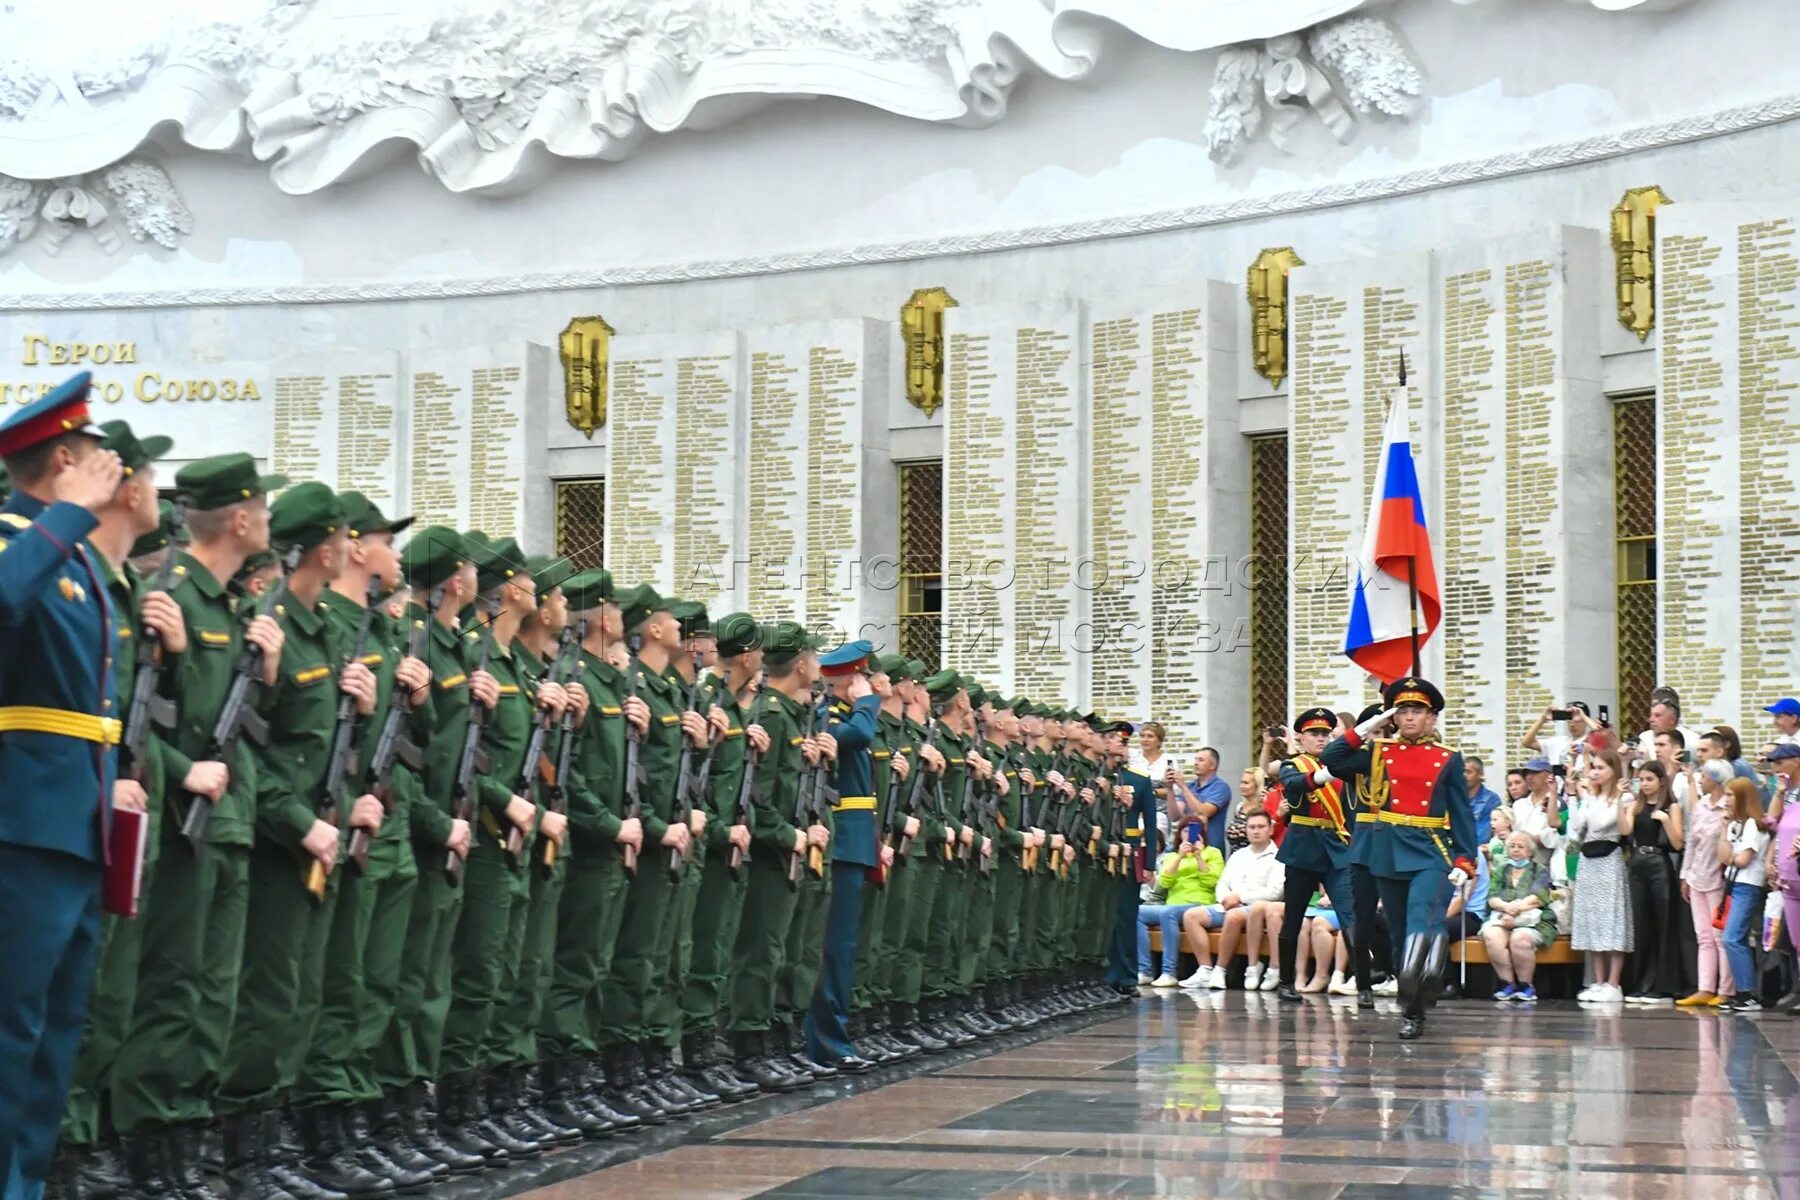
(1657, 914)
(1741, 855)
(1703, 882)
(1601, 825)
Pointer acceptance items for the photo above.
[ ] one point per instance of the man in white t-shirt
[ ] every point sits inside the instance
(1249, 894)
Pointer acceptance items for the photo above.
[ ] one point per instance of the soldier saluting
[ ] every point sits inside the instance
(1424, 833)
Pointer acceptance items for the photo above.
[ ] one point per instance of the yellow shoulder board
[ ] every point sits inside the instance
(15, 520)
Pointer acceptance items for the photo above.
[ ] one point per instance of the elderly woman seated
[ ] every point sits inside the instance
(1519, 922)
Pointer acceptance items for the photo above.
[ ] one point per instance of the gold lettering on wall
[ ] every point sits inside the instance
(1634, 257)
(1267, 290)
(584, 345)
(922, 325)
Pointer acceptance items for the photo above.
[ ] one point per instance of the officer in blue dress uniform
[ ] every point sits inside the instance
(1316, 851)
(1423, 840)
(58, 731)
(851, 719)
(1136, 794)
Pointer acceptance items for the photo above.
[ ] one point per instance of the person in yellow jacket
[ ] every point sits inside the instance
(1189, 877)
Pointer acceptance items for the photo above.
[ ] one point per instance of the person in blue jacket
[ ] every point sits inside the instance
(850, 723)
(59, 729)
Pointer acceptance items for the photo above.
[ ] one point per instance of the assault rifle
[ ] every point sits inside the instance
(537, 764)
(634, 768)
(887, 806)
(341, 765)
(803, 796)
(694, 769)
(147, 707)
(914, 794)
(974, 792)
(236, 716)
(392, 746)
(556, 796)
(747, 787)
(471, 759)
(1028, 857)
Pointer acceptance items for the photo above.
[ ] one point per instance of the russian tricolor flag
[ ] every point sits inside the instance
(1380, 636)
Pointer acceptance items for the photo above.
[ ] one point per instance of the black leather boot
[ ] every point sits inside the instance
(793, 1048)
(626, 1073)
(493, 1103)
(528, 1102)
(185, 1163)
(246, 1171)
(65, 1181)
(459, 1119)
(559, 1082)
(418, 1125)
(281, 1155)
(653, 1072)
(702, 1067)
(388, 1132)
(372, 1154)
(332, 1163)
(591, 1091)
(103, 1172)
(918, 1033)
(147, 1164)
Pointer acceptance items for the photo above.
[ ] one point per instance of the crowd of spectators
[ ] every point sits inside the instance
(1670, 862)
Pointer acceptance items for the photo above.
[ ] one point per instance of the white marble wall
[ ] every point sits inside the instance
(1728, 597)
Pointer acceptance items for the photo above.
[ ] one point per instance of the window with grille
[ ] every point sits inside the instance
(581, 521)
(922, 561)
(1268, 581)
(1634, 519)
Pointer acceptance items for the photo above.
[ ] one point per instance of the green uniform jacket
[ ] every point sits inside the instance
(202, 676)
(596, 787)
(344, 617)
(290, 770)
(503, 737)
(1009, 837)
(778, 776)
(123, 588)
(440, 722)
(728, 758)
(660, 756)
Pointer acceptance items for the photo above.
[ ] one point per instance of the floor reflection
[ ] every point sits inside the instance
(1228, 1095)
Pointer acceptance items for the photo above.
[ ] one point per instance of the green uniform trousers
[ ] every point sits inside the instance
(805, 947)
(383, 957)
(948, 915)
(1052, 892)
(485, 951)
(630, 1005)
(280, 988)
(718, 912)
(909, 929)
(871, 937)
(756, 958)
(977, 927)
(409, 1047)
(108, 1017)
(193, 939)
(1003, 928)
(522, 1003)
(587, 933)
(325, 1074)
(670, 1016)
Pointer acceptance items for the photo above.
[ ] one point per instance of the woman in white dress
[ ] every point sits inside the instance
(1601, 825)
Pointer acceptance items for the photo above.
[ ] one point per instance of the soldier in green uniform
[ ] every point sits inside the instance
(292, 885)
(989, 787)
(893, 890)
(791, 662)
(443, 579)
(950, 697)
(542, 655)
(490, 934)
(719, 904)
(593, 898)
(194, 909)
(700, 691)
(909, 925)
(799, 975)
(130, 524)
(638, 1065)
(368, 925)
(1011, 838)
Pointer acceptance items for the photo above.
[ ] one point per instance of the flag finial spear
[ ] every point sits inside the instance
(1403, 368)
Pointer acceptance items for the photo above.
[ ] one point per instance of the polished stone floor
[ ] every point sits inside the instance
(1228, 1095)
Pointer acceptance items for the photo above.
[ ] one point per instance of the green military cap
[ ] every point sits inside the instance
(784, 641)
(434, 554)
(226, 479)
(589, 589)
(1013, 706)
(639, 604)
(915, 669)
(549, 573)
(475, 537)
(977, 693)
(365, 517)
(495, 563)
(305, 515)
(692, 615)
(161, 536)
(134, 452)
(259, 561)
(737, 634)
(944, 684)
(894, 666)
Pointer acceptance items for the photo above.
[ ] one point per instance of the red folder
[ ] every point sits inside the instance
(123, 883)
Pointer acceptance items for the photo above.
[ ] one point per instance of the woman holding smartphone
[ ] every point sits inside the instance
(1601, 825)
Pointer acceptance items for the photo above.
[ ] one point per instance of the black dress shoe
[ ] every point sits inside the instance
(1288, 992)
(1412, 1028)
(1365, 999)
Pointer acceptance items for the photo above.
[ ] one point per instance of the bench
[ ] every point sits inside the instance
(1558, 954)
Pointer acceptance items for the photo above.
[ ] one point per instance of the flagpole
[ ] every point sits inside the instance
(1412, 583)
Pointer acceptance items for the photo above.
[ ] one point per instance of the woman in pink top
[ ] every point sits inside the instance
(1785, 811)
(1703, 880)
